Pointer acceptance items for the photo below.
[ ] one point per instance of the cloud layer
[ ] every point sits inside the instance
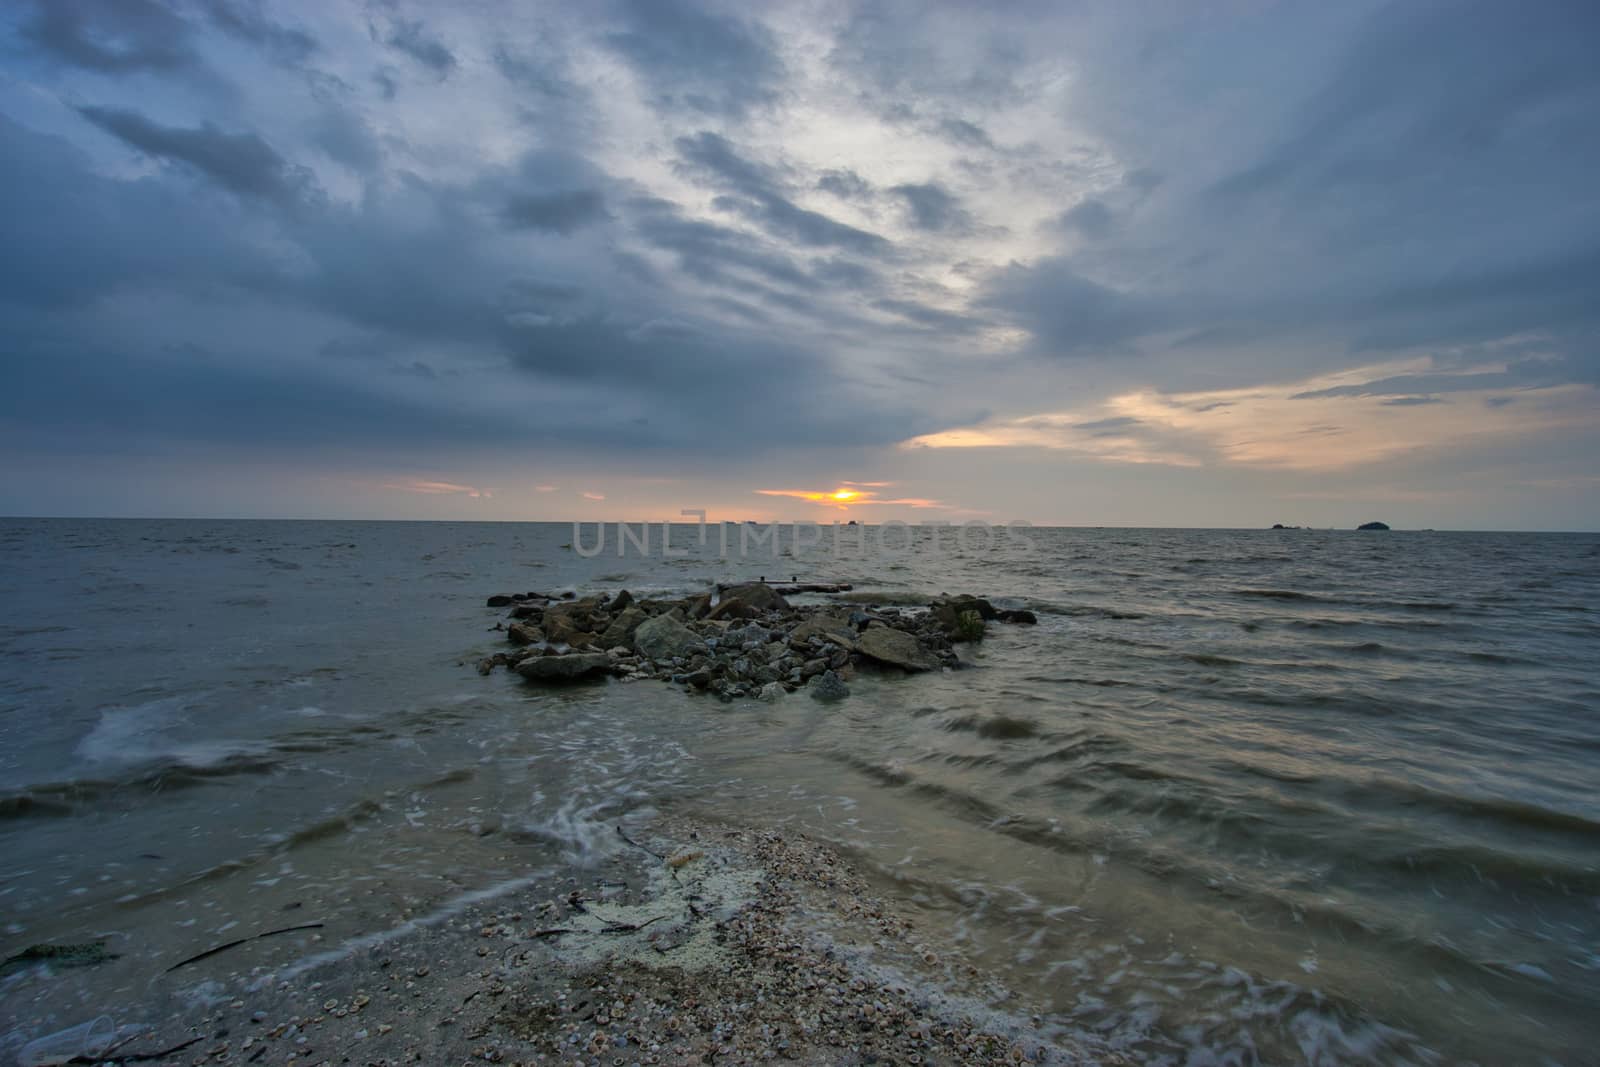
(773, 245)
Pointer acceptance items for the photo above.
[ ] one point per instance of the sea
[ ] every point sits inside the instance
(1239, 797)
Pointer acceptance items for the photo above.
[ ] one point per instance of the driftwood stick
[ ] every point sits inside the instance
(132, 1057)
(635, 844)
(243, 940)
(628, 928)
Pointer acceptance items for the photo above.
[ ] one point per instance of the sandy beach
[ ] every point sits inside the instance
(699, 943)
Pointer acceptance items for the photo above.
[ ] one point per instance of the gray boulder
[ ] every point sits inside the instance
(757, 595)
(566, 668)
(523, 634)
(665, 638)
(828, 627)
(896, 648)
(829, 687)
(620, 632)
(571, 623)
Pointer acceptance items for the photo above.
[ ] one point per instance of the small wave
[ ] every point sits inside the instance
(334, 826)
(1494, 657)
(897, 598)
(55, 799)
(1206, 659)
(1275, 594)
(27, 806)
(1105, 683)
(1516, 814)
(1050, 607)
(1471, 859)
(1081, 748)
(996, 727)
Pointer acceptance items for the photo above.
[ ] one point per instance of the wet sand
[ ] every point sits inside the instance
(696, 943)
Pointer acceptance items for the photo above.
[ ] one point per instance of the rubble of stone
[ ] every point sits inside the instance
(744, 640)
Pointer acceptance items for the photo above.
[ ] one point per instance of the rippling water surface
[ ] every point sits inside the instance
(1240, 797)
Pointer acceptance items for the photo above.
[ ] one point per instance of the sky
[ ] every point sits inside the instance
(1160, 263)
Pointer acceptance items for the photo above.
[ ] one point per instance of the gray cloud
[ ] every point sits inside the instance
(240, 162)
(964, 133)
(384, 78)
(710, 157)
(1068, 314)
(247, 21)
(845, 184)
(413, 39)
(112, 36)
(1090, 217)
(711, 63)
(559, 212)
(782, 218)
(1111, 427)
(929, 317)
(1420, 388)
(714, 253)
(345, 137)
(1357, 206)
(932, 207)
(86, 235)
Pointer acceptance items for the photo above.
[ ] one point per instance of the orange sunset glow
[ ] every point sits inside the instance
(853, 494)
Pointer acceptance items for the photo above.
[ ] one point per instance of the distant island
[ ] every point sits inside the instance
(1373, 526)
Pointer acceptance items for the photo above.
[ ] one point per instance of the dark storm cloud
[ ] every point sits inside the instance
(247, 21)
(414, 39)
(1442, 201)
(1520, 61)
(711, 158)
(559, 212)
(1067, 313)
(384, 79)
(698, 60)
(1091, 218)
(781, 218)
(930, 317)
(404, 288)
(845, 184)
(843, 273)
(932, 207)
(240, 162)
(540, 69)
(964, 133)
(1412, 177)
(111, 36)
(346, 137)
(84, 235)
(711, 252)
(709, 155)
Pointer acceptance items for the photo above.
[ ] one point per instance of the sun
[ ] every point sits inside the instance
(843, 495)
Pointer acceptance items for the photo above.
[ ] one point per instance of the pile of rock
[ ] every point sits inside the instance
(745, 640)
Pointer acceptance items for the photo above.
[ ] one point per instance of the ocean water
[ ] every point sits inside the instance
(1239, 797)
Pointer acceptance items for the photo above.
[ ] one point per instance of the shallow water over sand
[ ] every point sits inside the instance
(1239, 796)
